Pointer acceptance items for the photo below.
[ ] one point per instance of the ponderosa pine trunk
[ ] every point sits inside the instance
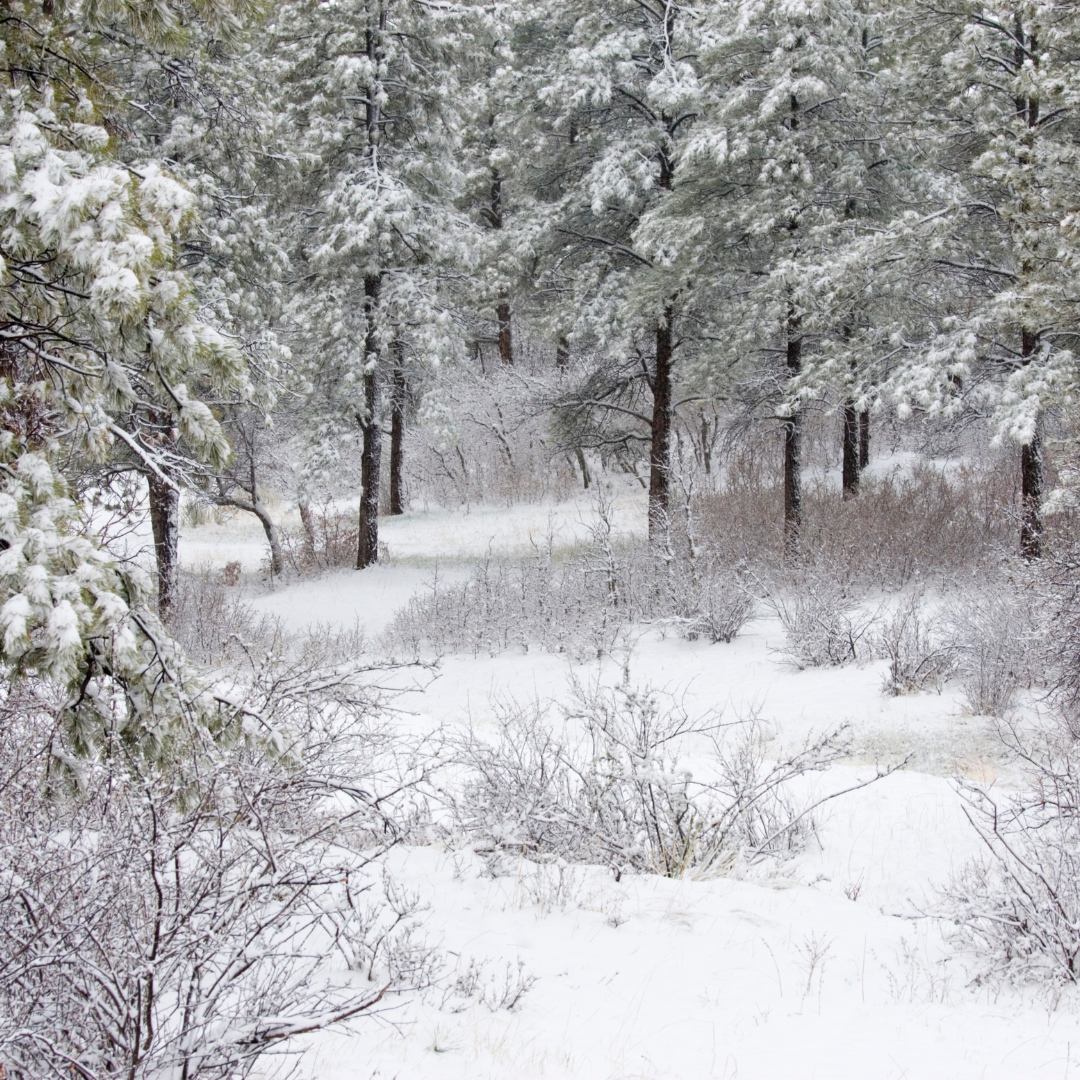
(506, 337)
(397, 437)
(1031, 476)
(367, 552)
(165, 525)
(864, 440)
(562, 353)
(850, 452)
(660, 449)
(793, 513)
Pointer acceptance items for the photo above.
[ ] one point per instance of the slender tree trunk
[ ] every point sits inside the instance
(660, 451)
(308, 523)
(584, 466)
(397, 437)
(367, 552)
(165, 524)
(851, 451)
(864, 440)
(1031, 476)
(277, 562)
(506, 338)
(793, 511)
(562, 353)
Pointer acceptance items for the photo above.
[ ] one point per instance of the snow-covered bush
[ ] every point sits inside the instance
(611, 785)
(919, 659)
(582, 605)
(1018, 907)
(211, 620)
(174, 917)
(825, 621)
(995, 634)
(483, 437)
(327, 539)
(898, 528)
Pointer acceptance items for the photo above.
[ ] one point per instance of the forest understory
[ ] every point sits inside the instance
(539, 539)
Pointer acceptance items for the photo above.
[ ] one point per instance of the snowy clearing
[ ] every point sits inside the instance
(817, 967)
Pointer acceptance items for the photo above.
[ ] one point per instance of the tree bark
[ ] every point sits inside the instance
(851, 452)
(506, 338)
(793, 511)
(864, 440)
(1031, 475)
(562, 353)
(367, 551)
(165, 524)
(397, 437)
(584, 466)
(660, 450)
(308, 523)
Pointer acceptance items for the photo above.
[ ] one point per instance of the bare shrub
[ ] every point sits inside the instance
(898, 528)
(919, 659)
(1018, 908)
(173, 917)
(583, 606)
(483, 438)
(612, 787)
(493, 989)
(824, 617)
(995, 634)
(210, 618)
(327, 540)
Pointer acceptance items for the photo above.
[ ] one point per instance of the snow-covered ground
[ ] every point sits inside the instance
(820, 967)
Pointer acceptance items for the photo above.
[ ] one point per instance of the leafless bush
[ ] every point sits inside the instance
(172, 918)
(482, 438)
(898, 528)
(1019, 907)
(385, 938)
(210, 618)
(613, 787)
(327, 540)
(583, 606)
(995, 634)
(824, 617)
(494, 990)
(503, 606)
(919, 659)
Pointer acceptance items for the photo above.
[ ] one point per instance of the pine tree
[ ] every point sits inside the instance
(368, 96)
(97, 319)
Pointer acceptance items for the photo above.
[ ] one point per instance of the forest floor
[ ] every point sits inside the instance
(827, 965)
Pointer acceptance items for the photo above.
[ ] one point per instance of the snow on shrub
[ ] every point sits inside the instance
(1018, 908)
(173, 917)
(611, 785)
(919, 658)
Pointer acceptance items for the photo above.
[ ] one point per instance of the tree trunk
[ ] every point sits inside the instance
(1031, 476)
(367, 551)
(308, 523)
(864, 440)
(562, 353)
(397, 437)
(165, 523)
(506, 340)
(277, 562)
(793, 514)
(851, 452)
(583, 465)
(660, 451)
